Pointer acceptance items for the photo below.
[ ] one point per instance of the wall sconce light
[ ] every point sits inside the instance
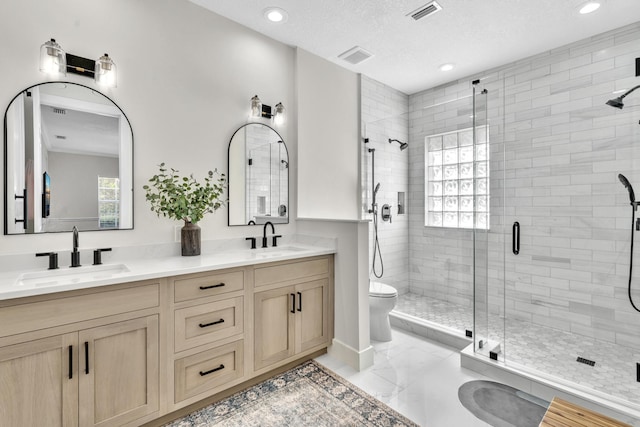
(258, 110)
(54, 61)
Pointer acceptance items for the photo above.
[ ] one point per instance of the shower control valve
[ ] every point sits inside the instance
(386, 213)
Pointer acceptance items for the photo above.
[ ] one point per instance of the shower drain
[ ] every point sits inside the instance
(585, 361)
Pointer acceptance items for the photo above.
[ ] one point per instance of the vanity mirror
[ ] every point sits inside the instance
(68, 161)
(258, 176)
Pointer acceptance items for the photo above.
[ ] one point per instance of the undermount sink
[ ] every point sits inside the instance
(278, 251)
(71, 275)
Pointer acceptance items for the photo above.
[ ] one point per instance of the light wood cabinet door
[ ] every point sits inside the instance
(273, 326)
(312, 314)
(119, 372)
(39, 383)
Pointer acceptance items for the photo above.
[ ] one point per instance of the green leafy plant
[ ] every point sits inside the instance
(184, 198)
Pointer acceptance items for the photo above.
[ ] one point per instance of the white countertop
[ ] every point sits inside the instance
(39, 281)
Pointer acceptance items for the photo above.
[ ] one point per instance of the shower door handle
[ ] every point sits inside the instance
(515, 236)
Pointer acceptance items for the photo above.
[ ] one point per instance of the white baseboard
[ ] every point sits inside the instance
(358, 360)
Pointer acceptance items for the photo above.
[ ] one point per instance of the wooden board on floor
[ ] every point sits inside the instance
(565, 414)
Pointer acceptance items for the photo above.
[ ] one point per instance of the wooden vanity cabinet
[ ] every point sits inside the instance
(127, 354)
(100, 372)
(293, 316)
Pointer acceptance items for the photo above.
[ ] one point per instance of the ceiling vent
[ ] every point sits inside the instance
(61, 137)
(355, 55)
(426, 10)
(59, 111)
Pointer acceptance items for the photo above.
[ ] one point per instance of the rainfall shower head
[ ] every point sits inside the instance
(627, 185)
(617, 102)
(403, 145)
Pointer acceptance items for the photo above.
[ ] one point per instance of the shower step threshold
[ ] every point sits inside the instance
(548, 387)
(430, 330)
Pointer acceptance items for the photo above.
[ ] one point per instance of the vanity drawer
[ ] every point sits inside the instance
(206, 323)
(49, 313)
(282, 273)
(207, 284)
(206, 371)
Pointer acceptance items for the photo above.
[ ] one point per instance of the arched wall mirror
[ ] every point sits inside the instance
(258, 176)
(68, 161)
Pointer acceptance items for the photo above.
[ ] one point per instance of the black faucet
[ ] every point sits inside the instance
(75, 255)
(264, 233)
(274, 242)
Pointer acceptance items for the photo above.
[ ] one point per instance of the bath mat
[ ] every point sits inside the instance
(307, 395)
(501, 405)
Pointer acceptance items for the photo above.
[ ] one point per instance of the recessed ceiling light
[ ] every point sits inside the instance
(446, 67)
(276, 14)
(592, 6)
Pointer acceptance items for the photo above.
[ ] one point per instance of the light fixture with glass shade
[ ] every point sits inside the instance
(256, 107)
(279, 116)
(53, 60)
(105, 72)
(260, 110)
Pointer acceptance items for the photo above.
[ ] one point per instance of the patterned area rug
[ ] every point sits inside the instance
(307, 395)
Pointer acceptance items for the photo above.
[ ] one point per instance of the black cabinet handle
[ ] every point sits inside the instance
(202, 374)
(86, 357)
(299, 301)
(515, 236)
(70, 362)
(217, 322)
(219, 285)
(293, 303)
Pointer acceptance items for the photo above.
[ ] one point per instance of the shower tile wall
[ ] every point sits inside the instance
(384, 116)
(560, 149)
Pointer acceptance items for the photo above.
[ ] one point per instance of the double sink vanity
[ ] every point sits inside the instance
(126, 343)
(139, 337)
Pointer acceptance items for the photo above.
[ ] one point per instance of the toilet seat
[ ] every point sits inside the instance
(382, 290)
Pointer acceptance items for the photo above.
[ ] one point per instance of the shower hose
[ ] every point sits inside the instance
(376, 247)
(633, 220)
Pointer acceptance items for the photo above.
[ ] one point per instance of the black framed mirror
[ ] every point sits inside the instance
(258, 176)
(68, 161)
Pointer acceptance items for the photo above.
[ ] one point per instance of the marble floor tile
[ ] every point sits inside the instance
(416, 377)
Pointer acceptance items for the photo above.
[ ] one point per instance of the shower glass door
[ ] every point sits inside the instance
(488, 233)
(552, 272)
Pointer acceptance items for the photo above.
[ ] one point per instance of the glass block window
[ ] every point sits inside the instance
(457, 179)
(108, 202)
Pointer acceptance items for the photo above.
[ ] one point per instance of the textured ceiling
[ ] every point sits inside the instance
(475, 35)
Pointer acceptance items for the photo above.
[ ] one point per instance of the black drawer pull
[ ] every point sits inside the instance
(202, 374)
(299, 301)
(70, 362)
(86, 357)
(217, 322)
(219, 285)
(515, 242)
(293, 303)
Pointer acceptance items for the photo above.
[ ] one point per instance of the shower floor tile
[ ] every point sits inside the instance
(451, 315)
(541, 349)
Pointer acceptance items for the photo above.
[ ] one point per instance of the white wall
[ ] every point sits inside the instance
(185, 78)
(328, 117)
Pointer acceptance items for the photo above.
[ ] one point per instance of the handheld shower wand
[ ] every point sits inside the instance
(634, 205)
(632, 197)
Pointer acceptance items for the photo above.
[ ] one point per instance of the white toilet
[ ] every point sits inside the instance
(382, 299)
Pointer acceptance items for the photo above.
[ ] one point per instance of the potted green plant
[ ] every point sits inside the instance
(184, 198)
